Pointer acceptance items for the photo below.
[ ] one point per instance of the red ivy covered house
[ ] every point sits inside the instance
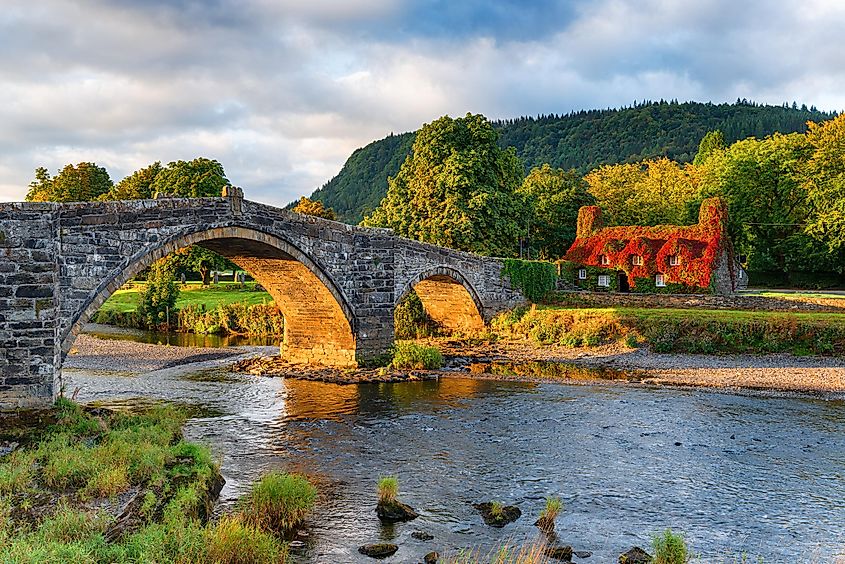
(664, 258)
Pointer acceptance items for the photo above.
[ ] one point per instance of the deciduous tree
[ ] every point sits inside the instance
(81, 183)
(307, 206)
(457, 189)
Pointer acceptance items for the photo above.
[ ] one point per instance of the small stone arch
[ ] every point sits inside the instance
(448, 298)
(320, 325)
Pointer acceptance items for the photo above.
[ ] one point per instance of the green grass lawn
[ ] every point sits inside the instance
(126, 299)
(706, 314)
(802, 295)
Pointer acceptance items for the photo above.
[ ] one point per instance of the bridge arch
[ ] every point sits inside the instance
(320, 326)
(448, 298)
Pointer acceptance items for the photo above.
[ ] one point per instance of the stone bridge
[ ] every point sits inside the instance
(337, 285)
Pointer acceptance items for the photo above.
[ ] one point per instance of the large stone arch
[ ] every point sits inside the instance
(448, 298)
(319, 322)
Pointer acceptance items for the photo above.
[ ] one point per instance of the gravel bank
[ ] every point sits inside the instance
(91, 353)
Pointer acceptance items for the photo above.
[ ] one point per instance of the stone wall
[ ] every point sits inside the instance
(28, 298)
(336, 284)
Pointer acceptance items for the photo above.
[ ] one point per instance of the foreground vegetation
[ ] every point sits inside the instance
(678, 330)
(58, 496)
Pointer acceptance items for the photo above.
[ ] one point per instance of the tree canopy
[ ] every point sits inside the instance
(825, 181)
(199, 178)
(136, 186)
(457, 188)
(307, 206)
(553, 197)
(81, 183)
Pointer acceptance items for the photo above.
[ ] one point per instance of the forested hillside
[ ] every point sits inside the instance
(580, 140)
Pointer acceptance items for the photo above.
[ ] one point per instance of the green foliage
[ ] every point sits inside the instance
(198, 178)
(533, 278)
(231, 541)
(278, 502)
(411, 320)
(552, 508)
(81, 183)
(581, 140)
(825, 183)
(497, 509)
(388, 489)
(307, 206)
(159, 295)
(554, 197)
(669, 548)
(256, 320)
(136, 186)
(411, 356)
(712, 142)
(456, 189)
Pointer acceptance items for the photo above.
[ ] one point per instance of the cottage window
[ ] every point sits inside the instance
(604, 281)
(637, 260)
(604, 259)
(660, 281)
(674, 260)
(582, 274)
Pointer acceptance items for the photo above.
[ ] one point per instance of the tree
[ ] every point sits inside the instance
(712, 142)
(825, 181)
(136, 186)
(159, 295)
(648, 193)
(199, 178)
(307, 206)
(199, 259)
(81, 183)
(554, 197)
(763, 184)
(457, 188)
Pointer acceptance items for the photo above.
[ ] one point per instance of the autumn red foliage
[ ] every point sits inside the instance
(698, 248)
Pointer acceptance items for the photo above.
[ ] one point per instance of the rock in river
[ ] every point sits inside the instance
(431, 558)
(395, 512)
(380, 550)
(635, 555)
(497, 515)
(422, 536)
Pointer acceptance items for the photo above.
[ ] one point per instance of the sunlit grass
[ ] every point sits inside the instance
(278, 502)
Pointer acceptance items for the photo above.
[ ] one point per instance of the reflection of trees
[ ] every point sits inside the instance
(319, 400)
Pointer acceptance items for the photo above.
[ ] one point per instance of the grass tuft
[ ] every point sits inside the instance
(388, 489)
(232, 541)
(669, 548)
(278, 502)
(552, 509)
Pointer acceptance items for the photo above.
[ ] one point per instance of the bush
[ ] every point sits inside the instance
(260, 320)
(411, 320)
(278, 502)
(411, 356)
(669, 548)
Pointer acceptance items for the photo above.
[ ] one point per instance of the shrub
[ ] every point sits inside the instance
(413, 356)
(231, 541)
(278, 502)
(411, 320)
(388, 489)
(159, 295)
(669, 548)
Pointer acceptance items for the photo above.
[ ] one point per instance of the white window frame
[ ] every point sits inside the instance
(674, 260)
(637, 260)
(582, 274)
(604, 281)
(604, 260)
(660, 280)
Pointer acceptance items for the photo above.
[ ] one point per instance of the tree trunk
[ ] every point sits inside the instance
(206, 278)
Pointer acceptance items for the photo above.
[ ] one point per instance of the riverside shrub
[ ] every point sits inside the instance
(534, 278)
(410, 356)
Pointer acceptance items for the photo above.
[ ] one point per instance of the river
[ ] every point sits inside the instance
(736, 473)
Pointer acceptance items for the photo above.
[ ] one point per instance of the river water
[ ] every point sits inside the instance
(737, 474)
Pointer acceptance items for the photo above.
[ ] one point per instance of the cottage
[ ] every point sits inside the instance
(663, 258)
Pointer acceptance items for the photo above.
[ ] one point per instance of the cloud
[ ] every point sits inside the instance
(281, 92)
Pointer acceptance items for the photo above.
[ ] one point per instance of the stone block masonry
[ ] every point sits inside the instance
(337, 285)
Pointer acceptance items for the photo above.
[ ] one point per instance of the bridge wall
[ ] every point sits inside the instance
(337, 284)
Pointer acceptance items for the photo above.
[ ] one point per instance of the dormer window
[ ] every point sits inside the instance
(660, 281)
(582, 274)
(674, 260)
(604, 260)
(637, 260)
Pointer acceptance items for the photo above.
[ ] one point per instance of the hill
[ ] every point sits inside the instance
(581, 140)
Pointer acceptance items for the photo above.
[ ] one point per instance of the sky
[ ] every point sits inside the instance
(281, 92)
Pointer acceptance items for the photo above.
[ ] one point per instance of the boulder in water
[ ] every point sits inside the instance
(380, 550)
(635, 555)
